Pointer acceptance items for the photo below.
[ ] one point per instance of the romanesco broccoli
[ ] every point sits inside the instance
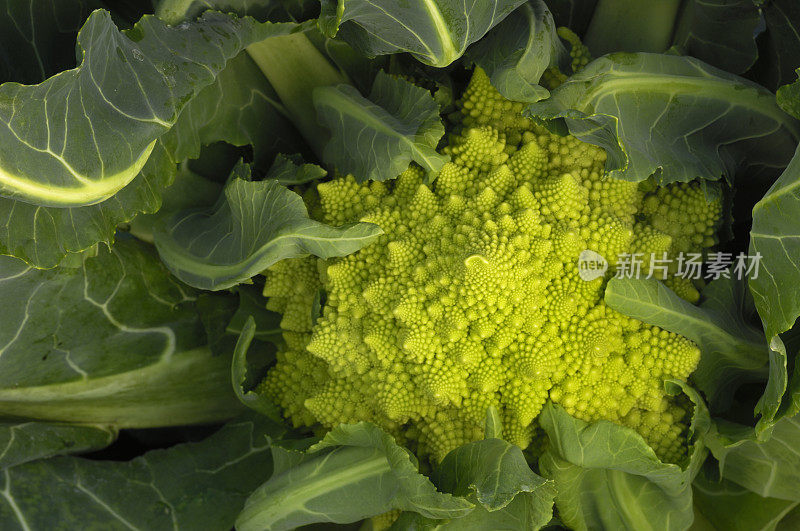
(472, 296)
(578, 54)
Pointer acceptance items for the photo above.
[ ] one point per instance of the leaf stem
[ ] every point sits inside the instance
(294, 68)
(632, 26)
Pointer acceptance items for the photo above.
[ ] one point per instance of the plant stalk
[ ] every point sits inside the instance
(294, 68)
(632, 26)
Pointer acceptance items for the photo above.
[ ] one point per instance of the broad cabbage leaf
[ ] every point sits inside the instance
(376, 138)
(252, 226)
(114, 340)
(356, 462)
(634, 105)
(436, 32)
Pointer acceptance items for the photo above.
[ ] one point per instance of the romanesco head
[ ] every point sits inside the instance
(472, 296)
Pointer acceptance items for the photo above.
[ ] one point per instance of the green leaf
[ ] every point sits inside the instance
(789, 97)
(607, 477)
(728, 506)
(434, 32)
(128, 12)
(216, 311)
(44, 236)
(495, 475)
(720, 32)
(28, 441)
(255, 401)
(354, 66)
(176, 11)
(355, 472)
(115, 340)
(188, 190)
(61, 141)
(768, 467)
(671, 116)
(517, 51)
(791, 521)
(632, 26)
(771, 405)
(295, 67)
(494, 470)
(574, 14)
(781, 42)
(290, 170)
(775, 237)
(235, 102)
(790, 404)
(189, 486)
(38, 37)
(254, 225)
(253, 304)
(377, 138)
(733, 352)
(518, 514)
(235, 109)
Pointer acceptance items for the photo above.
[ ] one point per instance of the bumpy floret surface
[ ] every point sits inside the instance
(472, 296)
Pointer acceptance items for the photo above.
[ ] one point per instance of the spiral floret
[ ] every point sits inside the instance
(472, 297)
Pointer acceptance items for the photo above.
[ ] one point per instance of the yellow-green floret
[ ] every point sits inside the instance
(473, 296)
(579, 57)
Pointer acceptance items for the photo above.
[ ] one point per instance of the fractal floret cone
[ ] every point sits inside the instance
(473, 297)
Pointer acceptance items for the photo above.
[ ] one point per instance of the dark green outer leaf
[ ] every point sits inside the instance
(728, 506)
(240, 108)
(789, 97)
(780, 49)
(355, 472)
(768, 467)
(37, 37)
(230, 109)
(137, 83)
(216, 311)
(519, 514)
(434, 32)
(189, 486)
(517, 51)
(377, 138)
(254, 225)
(671, 116)
(177, 11)
(492, 469)
(253, 304)
(733, 352)
(28, 441)
(233, 109)
(791, 521)
(290, 170)
(189, 190)
(720, 32)
(495, 473)
(574, 14)
(355, 66)
(607, 477)
(255, 401)
(114, 340)
(44, 236)
(775, 236)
